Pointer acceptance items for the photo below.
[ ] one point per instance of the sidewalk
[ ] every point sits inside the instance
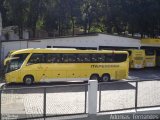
(153, 114)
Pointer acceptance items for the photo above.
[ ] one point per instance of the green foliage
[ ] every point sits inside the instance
(63, 16)
(94, 29)
(39, 24)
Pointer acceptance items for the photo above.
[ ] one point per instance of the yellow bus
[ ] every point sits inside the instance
(8, 57)
(150, 45)
(150, 58)
(55, 64)
(136, 58)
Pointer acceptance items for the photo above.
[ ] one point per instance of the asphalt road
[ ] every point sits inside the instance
(144, 74)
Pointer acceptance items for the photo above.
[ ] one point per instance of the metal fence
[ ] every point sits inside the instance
(42, 102)
(128, 95)
(61, 100)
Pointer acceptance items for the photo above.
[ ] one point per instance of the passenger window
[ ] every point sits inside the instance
(37, 58)
(72, 58)
(94, 58)
(83, 58)
(65, 58)
(79, 58)
(109, 58)
(53, 58)
(101, 58)
(69, 58)
(120, 57)
(58, 58)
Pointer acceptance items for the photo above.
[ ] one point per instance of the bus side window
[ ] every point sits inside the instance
(94, 58)
(49, 58)
(64, 58)
(109, 58)
(83, 58)
(37, 58)
(58, 58)
(101, 58)
(69, 58)
(87, 58)
(78, 58)
(52, 58)
(120, 57)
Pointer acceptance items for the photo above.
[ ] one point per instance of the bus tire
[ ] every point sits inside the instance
(28, 79)
(94, 77)
(105, 78)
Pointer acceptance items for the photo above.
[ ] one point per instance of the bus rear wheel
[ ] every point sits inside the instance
(28, 80)
(94, 77)
(105, 78)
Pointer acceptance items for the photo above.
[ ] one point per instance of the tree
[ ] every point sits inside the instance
(3, 13)
(91, 14)
(36, 12)
(50, 19)
(16, 13)
(111, 16)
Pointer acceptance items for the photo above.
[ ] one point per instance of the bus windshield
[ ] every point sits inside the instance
(149, 52)
(15, 62)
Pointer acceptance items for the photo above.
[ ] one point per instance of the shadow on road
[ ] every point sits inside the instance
(63, 87)
(116, 86)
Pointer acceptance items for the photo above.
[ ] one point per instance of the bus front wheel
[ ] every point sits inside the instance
(105, 78)
(28, 80)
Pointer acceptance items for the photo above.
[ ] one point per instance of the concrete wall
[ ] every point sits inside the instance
(109, 40)
(88, 41)
(84, 41)
(14, 45)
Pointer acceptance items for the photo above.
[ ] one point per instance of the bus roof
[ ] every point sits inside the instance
(63, 50)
